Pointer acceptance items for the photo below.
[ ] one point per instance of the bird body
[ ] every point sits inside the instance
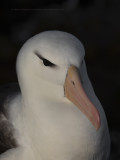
(48, 124)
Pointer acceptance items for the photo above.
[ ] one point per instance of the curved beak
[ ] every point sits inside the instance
(76, 94)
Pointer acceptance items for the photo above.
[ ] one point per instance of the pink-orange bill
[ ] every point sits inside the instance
(76, 94)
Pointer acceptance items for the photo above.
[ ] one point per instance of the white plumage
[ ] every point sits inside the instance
(48, 125)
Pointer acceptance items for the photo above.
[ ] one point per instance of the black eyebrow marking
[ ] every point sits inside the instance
(45, 61)
(38, 55)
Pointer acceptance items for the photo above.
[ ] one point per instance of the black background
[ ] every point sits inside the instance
(95, 22)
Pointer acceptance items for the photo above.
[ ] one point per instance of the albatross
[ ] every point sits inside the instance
(55, 115)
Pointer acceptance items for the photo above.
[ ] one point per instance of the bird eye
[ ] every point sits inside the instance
(45, 61)
(48, 63)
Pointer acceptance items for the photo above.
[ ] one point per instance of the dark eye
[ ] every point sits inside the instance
(45, 61)
(48, 63)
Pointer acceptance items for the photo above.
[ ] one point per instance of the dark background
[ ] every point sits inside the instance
(95, 22)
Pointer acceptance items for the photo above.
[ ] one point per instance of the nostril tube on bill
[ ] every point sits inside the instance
(73, 83)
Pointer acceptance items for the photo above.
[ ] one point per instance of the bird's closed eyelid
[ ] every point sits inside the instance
(45, 61)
